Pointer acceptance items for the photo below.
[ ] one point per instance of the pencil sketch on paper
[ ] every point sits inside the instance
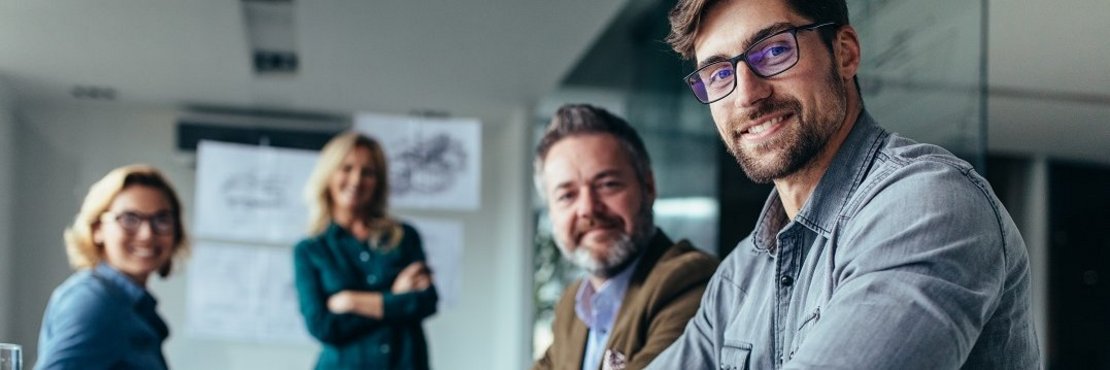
(251, 194)
(435, 163)
(428, 165)
(228, 298)
(248, 191)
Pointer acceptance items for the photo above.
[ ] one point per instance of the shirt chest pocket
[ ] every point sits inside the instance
(808, 321)
(734, 355)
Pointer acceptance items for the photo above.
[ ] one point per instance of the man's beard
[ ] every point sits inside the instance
(620, 253)
(798, 146)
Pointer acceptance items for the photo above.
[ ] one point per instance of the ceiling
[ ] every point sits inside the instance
(1049, 62)
(466, 58)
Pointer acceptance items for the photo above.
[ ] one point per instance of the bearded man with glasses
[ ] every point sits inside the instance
(873, 251)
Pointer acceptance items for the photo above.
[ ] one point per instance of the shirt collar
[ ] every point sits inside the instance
(598, 308)
(340, 235)
(131, 291)
(843, 176)
(335, 231)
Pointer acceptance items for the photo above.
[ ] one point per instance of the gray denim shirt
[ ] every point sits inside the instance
(902, 258)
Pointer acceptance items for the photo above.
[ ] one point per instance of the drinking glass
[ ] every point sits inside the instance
(11, 356)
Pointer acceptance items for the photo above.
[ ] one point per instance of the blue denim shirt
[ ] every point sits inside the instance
(902, 258)
(100, 319)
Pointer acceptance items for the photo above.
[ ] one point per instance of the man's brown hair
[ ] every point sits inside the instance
(687, 15)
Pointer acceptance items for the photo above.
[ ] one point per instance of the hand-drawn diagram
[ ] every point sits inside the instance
(435, 163)
(244, 293)
(251, 193)
(429, 165)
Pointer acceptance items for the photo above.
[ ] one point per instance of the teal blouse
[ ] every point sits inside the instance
(333, 261)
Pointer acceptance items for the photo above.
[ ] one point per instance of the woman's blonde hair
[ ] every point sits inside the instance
(319, 200)
(83, 251)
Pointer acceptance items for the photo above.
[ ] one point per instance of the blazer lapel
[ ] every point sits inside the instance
(627, 320)
(578, 335)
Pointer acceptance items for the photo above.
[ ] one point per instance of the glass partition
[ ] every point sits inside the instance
(923, 72)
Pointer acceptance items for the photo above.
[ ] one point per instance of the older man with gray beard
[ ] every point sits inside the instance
(642, 288)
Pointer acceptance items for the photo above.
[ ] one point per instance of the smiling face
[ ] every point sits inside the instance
(600, 212)
(778, 125)
(140, 252)
(351, 186)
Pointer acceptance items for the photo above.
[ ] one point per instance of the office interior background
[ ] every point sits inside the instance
(1019, 88)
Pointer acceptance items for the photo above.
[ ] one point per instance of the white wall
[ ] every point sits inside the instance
(64, 147)
(7, 162)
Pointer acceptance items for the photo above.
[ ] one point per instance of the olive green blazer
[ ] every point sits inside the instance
(663, 294)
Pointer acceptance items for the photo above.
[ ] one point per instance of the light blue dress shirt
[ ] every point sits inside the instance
(598, 310)
(101, 319)
(902, 258)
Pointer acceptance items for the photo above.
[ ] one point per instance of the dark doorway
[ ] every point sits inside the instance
(1079, 266)
(741, 201)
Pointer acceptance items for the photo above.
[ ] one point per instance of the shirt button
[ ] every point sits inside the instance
(786, 280)
(384, 348)
(371, 279)
(364, 256)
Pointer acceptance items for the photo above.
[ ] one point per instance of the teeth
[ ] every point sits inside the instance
(762, 127)
(143, 253)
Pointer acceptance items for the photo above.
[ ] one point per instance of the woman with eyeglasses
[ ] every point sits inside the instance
(103, 317)
(362, 284)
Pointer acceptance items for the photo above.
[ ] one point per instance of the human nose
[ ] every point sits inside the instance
(750, 88)
(354, 178)
(145, 230)
(588, 204)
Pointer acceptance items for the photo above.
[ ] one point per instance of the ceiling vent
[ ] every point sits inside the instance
(271, 36)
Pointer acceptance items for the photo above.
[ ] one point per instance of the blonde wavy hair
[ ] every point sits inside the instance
(83, 251)
(319, 199)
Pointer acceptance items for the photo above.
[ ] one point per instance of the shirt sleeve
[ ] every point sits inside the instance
(321, 323)
(78, 331)
(416, 305)
(924, 269)
(694, 349)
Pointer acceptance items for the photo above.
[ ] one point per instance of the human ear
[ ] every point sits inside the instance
(847, 50)
(97, 234)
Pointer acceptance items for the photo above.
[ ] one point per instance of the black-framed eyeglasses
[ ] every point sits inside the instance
(160, 223)
(767, 57)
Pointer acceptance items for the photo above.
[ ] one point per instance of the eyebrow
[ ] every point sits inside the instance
(755, 37)
(132, 210)
(613, 172)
